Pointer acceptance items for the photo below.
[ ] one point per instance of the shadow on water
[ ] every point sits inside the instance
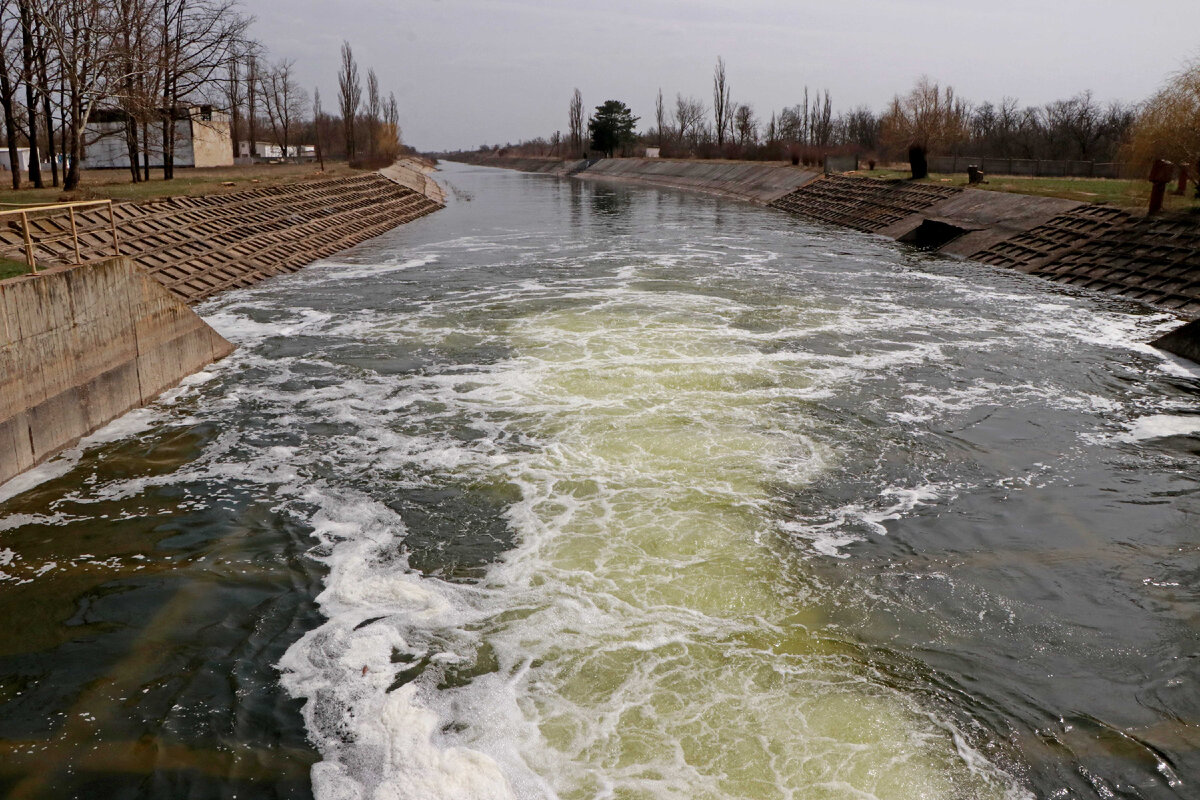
(141, 632)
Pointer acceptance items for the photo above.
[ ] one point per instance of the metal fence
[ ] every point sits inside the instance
(54, 230)
(1033, 167)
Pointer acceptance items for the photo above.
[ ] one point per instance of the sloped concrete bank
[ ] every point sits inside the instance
(82, 345)
(1154, 260)
(198, 246)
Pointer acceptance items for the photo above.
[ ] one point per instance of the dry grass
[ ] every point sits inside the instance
(116, 184)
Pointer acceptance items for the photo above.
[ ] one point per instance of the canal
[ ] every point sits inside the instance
(576, 490)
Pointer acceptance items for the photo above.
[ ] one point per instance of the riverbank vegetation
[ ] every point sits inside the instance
(134, 79)
(1077, 133)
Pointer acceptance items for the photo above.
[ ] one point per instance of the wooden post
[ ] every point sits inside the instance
(28, 243)
(75, 236)
(112, 221)
(1181, 187)
(1160, 175)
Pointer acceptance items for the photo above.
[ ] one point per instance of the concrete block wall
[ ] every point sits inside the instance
(80, 346)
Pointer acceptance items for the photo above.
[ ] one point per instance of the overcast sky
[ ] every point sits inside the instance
(468, 72)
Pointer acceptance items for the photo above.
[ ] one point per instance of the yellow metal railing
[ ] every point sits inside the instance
(25, 212)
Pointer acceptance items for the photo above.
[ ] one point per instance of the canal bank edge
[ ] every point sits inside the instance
(82, 345)
(1154, 260)
(199, 246)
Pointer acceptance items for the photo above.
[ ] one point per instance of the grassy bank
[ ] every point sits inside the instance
(116, 184)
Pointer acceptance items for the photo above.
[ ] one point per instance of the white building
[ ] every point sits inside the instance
(273, 152)
(23, 160)
(202, 139)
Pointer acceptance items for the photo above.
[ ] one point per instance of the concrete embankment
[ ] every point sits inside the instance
(80, 346)
(1155, 260)
(759, 183)
(198, 246)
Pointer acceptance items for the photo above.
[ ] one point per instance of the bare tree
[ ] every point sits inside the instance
(241, 91)
(45, 79)
(1167, 126)
(689, 112)
(284, 102)
(930, 117)
(29, 78)
(198, 37)
(349, 97)
(722, 105)
(81, 32)
(660, 118)
(575, 114)
(388, 137)
(10, 26)
(745, 125)
(374, 108)
(318, 121)
(252, 80)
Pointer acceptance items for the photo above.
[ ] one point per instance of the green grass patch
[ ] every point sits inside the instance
(11, 269)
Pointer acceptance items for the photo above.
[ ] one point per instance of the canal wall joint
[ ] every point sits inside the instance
(80, 346)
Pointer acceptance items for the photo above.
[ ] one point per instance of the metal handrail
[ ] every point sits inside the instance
(14, 209)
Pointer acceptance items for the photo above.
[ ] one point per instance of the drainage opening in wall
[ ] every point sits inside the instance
(932, 234)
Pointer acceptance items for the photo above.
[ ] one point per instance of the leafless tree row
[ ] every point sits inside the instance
(74, 71)
(931, 114)
(370, 132)
(136, 60)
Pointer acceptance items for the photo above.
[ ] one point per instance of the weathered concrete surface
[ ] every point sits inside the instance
(414, 173)
(1032, 249)
(988, 218)
(80, 346)
(758, 183)
(865, 204)
(539, 166)
(1155, 260)
(1184, 341)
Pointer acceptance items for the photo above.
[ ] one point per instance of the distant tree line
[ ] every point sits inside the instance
(931, 114)
(143, 64)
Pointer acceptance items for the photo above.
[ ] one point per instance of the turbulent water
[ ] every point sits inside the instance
(582, 491)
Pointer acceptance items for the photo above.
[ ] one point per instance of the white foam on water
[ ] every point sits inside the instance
(637, 640)
(328, 271)
(1157, 426)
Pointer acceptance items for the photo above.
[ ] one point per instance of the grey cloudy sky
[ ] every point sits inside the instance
(466, 72)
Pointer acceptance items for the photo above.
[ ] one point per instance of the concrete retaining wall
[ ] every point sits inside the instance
(80, 346)
(758, 183)
(539, 166)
